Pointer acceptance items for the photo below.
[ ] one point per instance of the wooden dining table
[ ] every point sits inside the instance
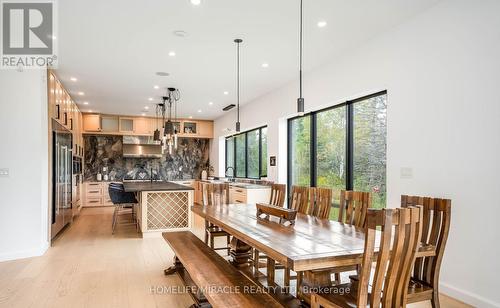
(308, 246)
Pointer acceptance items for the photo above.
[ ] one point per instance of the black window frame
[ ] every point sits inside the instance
(313, 125)
(246, 153)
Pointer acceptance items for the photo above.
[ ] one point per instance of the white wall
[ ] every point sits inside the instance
(442, 73)
(24, 150)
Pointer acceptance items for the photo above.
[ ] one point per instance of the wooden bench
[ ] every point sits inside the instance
(201, 268)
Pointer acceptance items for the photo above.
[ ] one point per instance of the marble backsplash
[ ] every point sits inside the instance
(187, 162)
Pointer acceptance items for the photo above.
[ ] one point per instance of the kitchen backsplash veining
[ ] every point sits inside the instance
(104, 152)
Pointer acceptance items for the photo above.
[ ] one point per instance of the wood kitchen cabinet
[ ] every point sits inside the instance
(126, 125)
(143, 126)
(91, 123)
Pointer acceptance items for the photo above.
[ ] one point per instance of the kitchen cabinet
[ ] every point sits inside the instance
(92, 123)
(96, 194)
(249, 195)
(143, 126)
(109, 124)
(126, 125)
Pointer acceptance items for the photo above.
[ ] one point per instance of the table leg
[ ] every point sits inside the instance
(312, 279)
(271, 267)
(173, 269)
(241, 253)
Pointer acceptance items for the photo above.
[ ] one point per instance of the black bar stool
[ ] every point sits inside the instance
(124, 204)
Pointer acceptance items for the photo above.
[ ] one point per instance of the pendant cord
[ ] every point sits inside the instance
(238, 81)
(300, 51)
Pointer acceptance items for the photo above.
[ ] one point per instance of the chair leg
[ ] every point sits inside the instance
(286, 278)
(206, 237)
(115, 216)
(256, 254)
(338, 280)
(270, 271)
(435, 298)
(212, 245)
(228, 242)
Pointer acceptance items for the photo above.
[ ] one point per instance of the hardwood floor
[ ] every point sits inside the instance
(87, 266)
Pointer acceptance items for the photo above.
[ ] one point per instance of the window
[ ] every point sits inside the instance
(342, 147)
(246, 153)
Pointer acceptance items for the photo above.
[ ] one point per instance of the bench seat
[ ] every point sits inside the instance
(209, 271)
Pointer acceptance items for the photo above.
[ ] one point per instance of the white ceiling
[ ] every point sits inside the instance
(114, 47)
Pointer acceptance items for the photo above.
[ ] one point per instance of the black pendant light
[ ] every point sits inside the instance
(238, 124)
(300, 100)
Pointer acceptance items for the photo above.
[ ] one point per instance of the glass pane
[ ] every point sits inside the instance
(230, 156)
(370, 143)
(253, 153)
(300, 142)
(240, 156)
(263, 159)
(331, 153)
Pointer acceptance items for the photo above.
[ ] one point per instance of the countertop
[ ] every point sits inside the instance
(238, 185)
(154, 186)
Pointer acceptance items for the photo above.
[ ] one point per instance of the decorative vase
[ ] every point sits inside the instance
(204, 175)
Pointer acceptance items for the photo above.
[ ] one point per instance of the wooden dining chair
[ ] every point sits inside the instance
(424, 282)
(398, 244)
(215, 194)
(299, 200)
(321, 202)
(353, 207)
(278, 192)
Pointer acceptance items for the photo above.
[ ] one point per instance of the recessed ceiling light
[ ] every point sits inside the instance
(85, 103)
(322, 24)
(171, 54)
(180, 33)
(190, 117)
(226, 93)
(199, 110)
(146, 107)
(162, 74)
(210, 103)
(81, 93)
(90, 110)
(73, 79)
(143, 114)
(265, 65)
(156, 87)
(195, 2)
(53, 37)
(150, 99)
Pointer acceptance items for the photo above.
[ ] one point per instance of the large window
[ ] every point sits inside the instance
(246, 154)
(342, 147)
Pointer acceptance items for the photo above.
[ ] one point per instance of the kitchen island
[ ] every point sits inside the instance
(162, 207)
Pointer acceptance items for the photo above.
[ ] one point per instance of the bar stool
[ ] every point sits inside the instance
(124, 204)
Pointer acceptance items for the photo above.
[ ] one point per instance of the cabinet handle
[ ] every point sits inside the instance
(93, 201)
(65, 118)
(93, 191)
(70, 124)
(238, 201)
(58, 112)
(240, 191)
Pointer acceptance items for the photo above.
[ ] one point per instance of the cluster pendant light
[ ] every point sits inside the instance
(170, 134)
(238, 124)
(300, 100)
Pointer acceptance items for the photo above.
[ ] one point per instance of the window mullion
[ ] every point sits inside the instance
(350, 146)
(313, 148)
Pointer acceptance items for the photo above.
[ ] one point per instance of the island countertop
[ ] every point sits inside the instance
(154, 186)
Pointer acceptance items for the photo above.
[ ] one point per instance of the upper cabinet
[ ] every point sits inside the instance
(63, 110)
(143, 126)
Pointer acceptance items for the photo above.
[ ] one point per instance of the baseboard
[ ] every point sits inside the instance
(23, 254)
(467, 297)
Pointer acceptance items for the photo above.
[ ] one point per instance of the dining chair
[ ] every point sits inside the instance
(424, 282)
(124, 203)
(353, 207)
(277, 197)
(299, 200)
(397, 247)
(321, 202)
(215, 194)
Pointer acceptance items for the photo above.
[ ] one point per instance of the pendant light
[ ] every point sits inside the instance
(238, 124)
(300, 100)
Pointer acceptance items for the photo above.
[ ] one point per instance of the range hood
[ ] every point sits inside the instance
(141, 147)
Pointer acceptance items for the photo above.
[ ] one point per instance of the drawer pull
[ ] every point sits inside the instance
(94, 184)
(94, 191)
(239, 190)
(238, 201)
(95, 201)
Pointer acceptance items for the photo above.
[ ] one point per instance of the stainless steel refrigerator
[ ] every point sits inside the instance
(62, 162)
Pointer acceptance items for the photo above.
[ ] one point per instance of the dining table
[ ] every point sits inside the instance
(310, 246)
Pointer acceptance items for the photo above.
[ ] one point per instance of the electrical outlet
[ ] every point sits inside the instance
(4, 172)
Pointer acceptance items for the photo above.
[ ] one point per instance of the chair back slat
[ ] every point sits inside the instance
(392, 271)
(321, 202)
(215, 194)
(353, 207)
(277, 194)
(299, 200)
(435, 229)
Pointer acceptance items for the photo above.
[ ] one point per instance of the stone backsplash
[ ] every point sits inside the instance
(187, 162)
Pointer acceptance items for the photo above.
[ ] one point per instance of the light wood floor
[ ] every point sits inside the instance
(89, 267)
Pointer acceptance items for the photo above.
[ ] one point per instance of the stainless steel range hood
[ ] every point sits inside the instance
(141, 147)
